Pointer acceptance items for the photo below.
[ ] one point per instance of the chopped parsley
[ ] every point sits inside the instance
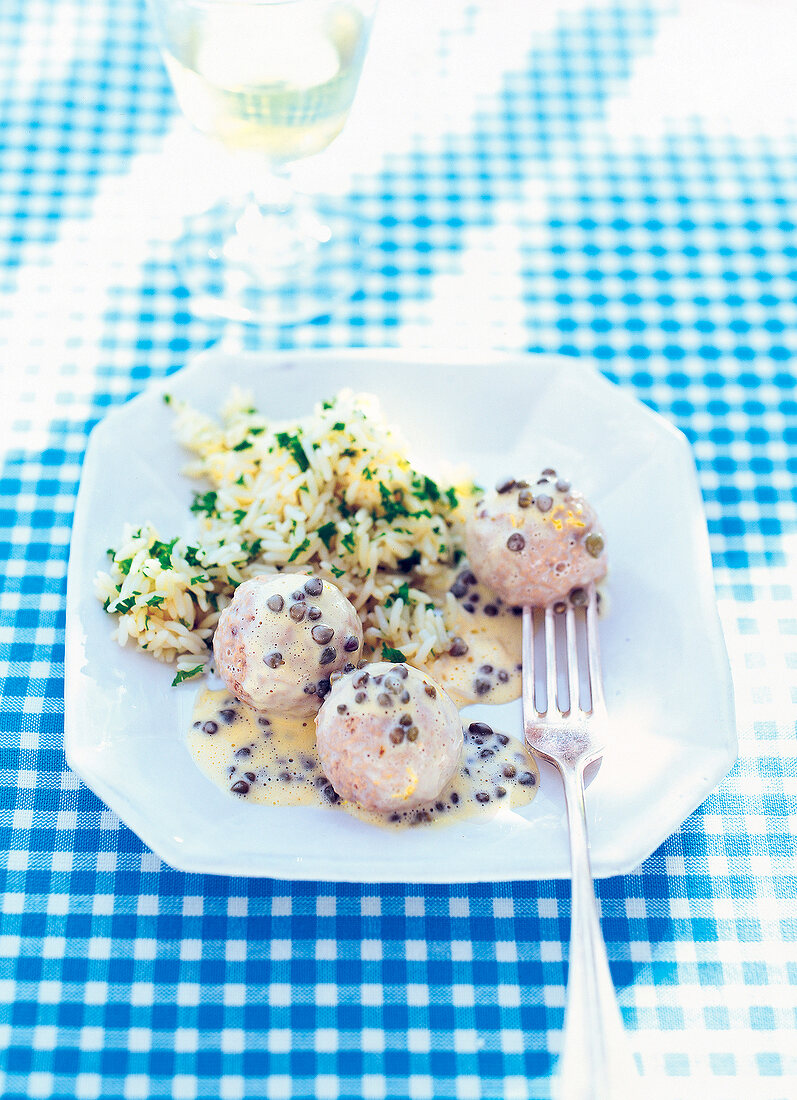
(239, 515)
(155, 601)
(401, 593)
(244, 445)
(123, 606)
(391, 506)
(337, 572)
(187, 674)
(200, 578)
(338, 426)
(327, 533)
(426, 488)
(291, 443)
(162, 552)
(408, 563)
(299, 550)
(205, 502)
(192, 555)
(348, 541)
(124, 566)
(395, 656)
(252, 549)
(452, 498)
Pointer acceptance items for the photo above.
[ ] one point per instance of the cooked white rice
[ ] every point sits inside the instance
(332, 493)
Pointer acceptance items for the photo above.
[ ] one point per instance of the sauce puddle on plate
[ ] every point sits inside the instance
(272, 760)
(484, 665)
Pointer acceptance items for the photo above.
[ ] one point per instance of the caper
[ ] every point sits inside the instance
(594, 545)
(579, 597)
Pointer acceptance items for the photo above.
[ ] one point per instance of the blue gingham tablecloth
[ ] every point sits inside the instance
(609, 180)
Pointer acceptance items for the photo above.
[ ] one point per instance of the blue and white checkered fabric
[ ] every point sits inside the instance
(608, 179)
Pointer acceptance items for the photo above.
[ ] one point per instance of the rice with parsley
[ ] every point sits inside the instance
(332, 493)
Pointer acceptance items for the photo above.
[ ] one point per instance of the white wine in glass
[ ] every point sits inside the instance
(273, 80)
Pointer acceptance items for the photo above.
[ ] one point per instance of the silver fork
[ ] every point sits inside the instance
(569, 730)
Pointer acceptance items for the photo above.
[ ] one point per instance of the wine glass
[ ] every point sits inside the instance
(273, 81)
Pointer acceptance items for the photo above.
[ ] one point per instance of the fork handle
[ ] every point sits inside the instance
(596, 1061)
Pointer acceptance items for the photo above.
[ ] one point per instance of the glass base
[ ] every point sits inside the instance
(278, 264)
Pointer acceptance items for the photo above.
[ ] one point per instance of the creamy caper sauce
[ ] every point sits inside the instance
(272, 760)
(484, 661)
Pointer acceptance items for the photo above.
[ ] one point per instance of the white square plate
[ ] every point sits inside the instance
(666, 670)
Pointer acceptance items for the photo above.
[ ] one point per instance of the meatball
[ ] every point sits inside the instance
(389, 738)
(533, 543)
(281, 638)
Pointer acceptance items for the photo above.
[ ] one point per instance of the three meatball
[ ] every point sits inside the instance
(533, 543)
(388, 737)
(282, 637)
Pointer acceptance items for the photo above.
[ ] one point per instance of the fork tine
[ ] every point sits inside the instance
(573, 680)
(529, 666)
(594, 654)
(551, 687)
